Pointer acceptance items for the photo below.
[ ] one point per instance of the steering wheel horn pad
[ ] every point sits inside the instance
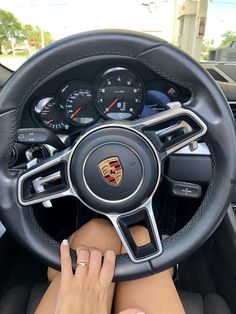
(92, 168)
(206, 115)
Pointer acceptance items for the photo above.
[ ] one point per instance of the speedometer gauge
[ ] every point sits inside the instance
(119, 94)
(76, 101)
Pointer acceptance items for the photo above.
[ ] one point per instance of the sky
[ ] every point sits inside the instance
(65, 17)
(221, 18)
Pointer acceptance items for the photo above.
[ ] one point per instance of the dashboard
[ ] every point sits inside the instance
(80, 97)
(52, 104)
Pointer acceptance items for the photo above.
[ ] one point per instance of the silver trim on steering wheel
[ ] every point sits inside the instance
(135, 126)
(147, 206)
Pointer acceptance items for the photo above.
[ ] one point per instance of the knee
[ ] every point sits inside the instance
(97, 233)
(92, 232)
(140, 235)
(97, 224)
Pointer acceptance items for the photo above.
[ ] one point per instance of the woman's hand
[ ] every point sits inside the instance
(86, 291)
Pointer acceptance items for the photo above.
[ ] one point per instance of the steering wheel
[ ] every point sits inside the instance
(133, 150)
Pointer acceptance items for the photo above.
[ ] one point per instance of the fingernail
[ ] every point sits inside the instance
(140, 313)
(65, 242)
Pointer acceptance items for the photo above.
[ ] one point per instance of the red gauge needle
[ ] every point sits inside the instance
(50, 121)
(75, 113)
(111, 105)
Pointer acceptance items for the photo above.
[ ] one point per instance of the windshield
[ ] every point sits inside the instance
(205, 29)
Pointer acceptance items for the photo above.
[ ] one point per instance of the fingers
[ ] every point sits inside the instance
(66, 267)
(108, 267)
(82, 257)
(132, 311)
(93, 267)
(95, 263)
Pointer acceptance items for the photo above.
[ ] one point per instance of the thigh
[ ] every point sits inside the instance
(154, 294)
(96, 233)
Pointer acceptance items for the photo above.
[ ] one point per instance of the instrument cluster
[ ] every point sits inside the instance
(117, 93)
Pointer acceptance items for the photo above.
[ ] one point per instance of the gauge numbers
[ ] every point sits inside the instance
(119, 94)
(76, 102)
(48, 115)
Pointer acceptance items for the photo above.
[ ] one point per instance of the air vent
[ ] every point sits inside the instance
(216, 75)
(232, 105)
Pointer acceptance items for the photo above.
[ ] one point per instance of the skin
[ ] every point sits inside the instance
(152, 295)
(91, 282)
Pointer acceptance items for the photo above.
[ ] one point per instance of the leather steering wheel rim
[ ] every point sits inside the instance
(207, 102)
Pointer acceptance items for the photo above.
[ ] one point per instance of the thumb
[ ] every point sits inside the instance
(132, 311)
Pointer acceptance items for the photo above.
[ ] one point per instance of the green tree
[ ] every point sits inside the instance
(207, 45)
(227, 38)
(30, 32)
(10, 29)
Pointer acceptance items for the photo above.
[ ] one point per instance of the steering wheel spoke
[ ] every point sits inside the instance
(145, 216)
(172, 129)
(45, 181)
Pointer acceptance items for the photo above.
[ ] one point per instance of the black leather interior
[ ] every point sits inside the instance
(212, 303)
(35, 297)
(27, 301)
(207, 102)
(15, 300)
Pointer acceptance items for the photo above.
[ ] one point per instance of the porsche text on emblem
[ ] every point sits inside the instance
(111, 170)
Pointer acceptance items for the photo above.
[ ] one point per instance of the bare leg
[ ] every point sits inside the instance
(154, 294)
(97, 233)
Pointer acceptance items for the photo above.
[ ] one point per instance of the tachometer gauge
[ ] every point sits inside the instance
(119, 94)
(48, 115)
(76, 101)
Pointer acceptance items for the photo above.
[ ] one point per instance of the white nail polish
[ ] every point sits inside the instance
(65, 242)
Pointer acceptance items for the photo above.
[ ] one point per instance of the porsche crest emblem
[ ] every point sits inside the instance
(111, 170)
